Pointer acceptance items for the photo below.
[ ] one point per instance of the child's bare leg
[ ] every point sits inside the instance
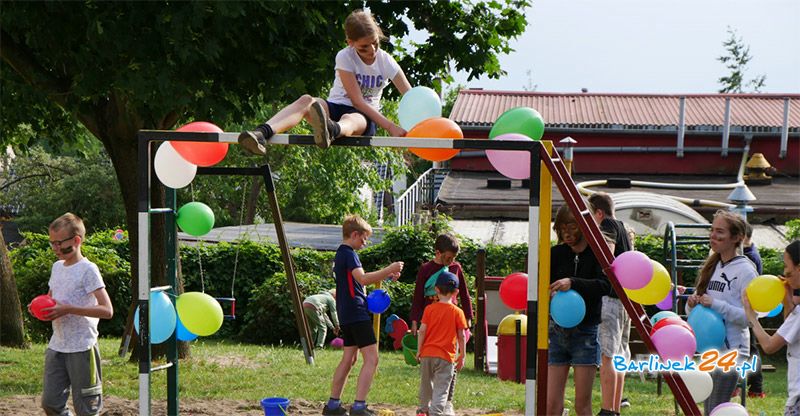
(291, 115)
(367, 373)
(352, 124)
(343, 370)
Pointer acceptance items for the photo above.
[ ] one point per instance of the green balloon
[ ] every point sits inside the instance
(520, 120)
(199, 313)
(195, 218)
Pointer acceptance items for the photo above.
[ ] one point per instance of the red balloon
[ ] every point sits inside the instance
(40, 302)
(201, 153)
(514, 291)
(436, 128)
(671, 320)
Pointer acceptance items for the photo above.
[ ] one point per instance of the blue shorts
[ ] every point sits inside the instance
(336, 111)
(573, 346)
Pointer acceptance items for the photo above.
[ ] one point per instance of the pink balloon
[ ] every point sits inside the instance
(514, 164)
(633, 269)
(674, 342)
(666, 304)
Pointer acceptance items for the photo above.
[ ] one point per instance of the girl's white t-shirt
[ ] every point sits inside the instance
(372, 79)
(790, 331)
(74, 285)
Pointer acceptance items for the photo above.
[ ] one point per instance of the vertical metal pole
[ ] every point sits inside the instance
(785, 128)
(480, 327)
(291, 279)
(171, 248)
(681, 125)
(143, 219)
(726, 127)
(533, 280)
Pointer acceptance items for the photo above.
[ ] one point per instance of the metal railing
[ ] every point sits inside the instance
(420, 194)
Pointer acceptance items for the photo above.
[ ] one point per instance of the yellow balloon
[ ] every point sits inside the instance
(765, 292)
(656, 290)
(200, 313)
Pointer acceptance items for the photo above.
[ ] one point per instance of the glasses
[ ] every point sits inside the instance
(58, 243)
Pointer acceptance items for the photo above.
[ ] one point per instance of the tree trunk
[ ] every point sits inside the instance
(12, 329)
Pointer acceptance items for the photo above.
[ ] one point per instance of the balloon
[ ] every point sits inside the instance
(40, 302)
(172, 169)
(514, 164)
(378, 301)
(182, 333)
(436, 128)
(195, 218)
(520, 120)
(633, 269)
(775, 312)
(200, 313)
(699, 384)
(661, 315)
(162, 317)
(201, 153)
(674, 342)
(514, 291)
(765, 292)
(337, 343)
(671, 320)
(729, 409)
(656, 290)
(567, 308)
(419, 103)
(709, 328)
(666, 304)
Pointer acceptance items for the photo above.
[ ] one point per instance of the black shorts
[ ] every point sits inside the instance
(336, 111)
(359, 334)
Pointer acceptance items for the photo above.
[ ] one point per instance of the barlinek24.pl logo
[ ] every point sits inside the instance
(709, 361)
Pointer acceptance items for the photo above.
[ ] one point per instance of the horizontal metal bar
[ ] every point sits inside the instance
(161, 367)
(184, 136)
(160, 288)
(160, 210)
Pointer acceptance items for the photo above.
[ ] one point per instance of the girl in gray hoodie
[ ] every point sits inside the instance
(722, 280)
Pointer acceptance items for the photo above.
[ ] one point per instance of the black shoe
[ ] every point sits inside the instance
(361, 412)
(624, 402)
(254, 142)
(319, 123)
(335, 411)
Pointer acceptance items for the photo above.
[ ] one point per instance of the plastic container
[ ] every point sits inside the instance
(275, 406)
(511, 357)
(410, 349)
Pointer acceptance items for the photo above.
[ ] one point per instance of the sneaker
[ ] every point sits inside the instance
(759, 395)
(319, 123)
(254, 142)
(448, 409)
(361, 412)
(624, 402)
(338, 411)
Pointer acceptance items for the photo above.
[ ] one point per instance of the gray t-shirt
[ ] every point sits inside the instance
(372, 79)
(74, 285)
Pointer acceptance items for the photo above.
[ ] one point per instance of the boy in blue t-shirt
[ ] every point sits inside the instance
(354, 319)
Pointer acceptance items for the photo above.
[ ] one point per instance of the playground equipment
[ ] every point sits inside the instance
(546, 166)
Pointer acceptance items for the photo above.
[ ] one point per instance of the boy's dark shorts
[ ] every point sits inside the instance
(336, 111)
(358, 334)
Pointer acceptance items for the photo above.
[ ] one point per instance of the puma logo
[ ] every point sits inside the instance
(718, 286)
(728, 281)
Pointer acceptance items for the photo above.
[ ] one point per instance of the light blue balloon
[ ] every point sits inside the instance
(661, 315)
(709, 328)
(182, 333)
(773, 313)
(567, 308)
(162, 318)
(417, 104)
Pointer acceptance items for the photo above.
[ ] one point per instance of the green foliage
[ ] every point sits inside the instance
(793, 229)
(47, 186)
(771, 261)
(737, 56)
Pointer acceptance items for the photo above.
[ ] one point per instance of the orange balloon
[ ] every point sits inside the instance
(201, 153)
(436, 128)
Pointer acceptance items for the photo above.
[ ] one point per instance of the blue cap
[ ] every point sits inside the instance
(447, 279)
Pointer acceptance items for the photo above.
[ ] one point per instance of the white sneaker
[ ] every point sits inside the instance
(448, 409)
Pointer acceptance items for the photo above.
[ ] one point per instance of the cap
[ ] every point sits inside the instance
(447, 279)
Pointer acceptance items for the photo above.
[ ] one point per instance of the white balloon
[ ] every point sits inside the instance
(729, 409)
(699, 384)
(418, 103)
(172, 169)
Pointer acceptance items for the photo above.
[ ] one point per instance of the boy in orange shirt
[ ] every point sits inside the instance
(441, 346)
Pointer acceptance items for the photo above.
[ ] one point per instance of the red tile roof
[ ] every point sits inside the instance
(480, 108)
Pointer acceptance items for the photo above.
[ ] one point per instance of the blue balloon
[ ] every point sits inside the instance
(773, 313)
(378, 301)
(661, 315)
(182, 333)
(388, 327)
(567, 308)
(709, 328)
(162, 317)
(417, 104)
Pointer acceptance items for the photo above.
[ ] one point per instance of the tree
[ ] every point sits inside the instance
(115, 68)
(12, 330)
(736, 58)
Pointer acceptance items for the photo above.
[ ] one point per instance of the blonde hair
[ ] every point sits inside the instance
(361, 24)
(70, 221)
(736, 226)
(354, 223)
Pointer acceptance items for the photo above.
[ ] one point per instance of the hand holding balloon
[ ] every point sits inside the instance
(560, 285)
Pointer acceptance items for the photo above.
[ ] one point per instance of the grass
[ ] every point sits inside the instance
(219, 369)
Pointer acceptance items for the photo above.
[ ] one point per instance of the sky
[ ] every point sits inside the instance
(648, 46)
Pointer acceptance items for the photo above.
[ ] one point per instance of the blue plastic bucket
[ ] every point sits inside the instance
(275, 406)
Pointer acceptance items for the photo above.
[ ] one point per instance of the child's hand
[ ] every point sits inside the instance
(418, 357)
(460, 362)
(748, 310)
(560, 285)
(394, 269)
(414, 328)
(55, 312)
(692, 300)
(397, 131)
